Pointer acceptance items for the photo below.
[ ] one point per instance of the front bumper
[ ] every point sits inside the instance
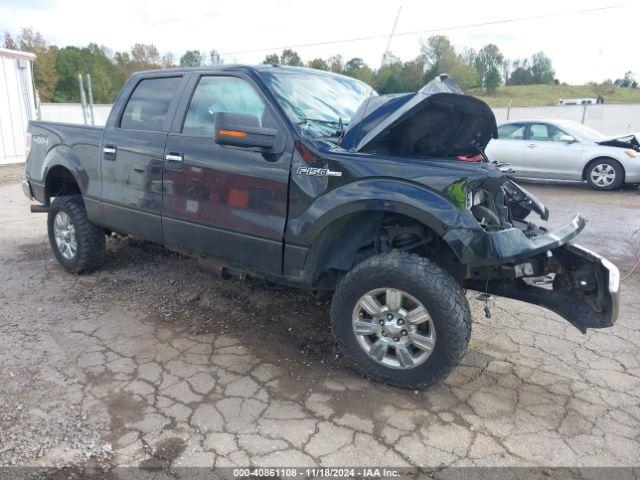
(477, 247)
(585, 289)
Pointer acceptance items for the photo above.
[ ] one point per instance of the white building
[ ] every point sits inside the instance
(17, 103)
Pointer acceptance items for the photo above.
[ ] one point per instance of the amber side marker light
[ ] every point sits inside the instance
(631, 153)
(232, 133)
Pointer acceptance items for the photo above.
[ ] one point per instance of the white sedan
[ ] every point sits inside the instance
(564, 150)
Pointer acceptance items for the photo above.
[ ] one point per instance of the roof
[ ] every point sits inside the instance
(5, 52)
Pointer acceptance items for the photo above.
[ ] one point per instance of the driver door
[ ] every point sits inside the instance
(547, 156)
(227, 202)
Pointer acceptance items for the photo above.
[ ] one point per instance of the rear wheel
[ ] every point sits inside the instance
(77, 244)
(401, 319)
(605, 174)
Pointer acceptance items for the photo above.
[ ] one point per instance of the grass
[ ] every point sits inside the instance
(537, 95)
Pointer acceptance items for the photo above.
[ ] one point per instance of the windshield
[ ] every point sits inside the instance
(319, 104)
(587, 133)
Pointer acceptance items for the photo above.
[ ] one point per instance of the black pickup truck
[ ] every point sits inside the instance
(311, 179)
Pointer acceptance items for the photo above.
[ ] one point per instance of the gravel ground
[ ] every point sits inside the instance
(155, 362)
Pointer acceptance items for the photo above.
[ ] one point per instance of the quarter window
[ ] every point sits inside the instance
(222, 94)
(148, 105)
(511, 131)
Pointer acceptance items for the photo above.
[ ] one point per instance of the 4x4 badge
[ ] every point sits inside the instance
(318, 172)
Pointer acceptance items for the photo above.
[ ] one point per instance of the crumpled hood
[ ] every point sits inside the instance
(622, 141)
(437, 121)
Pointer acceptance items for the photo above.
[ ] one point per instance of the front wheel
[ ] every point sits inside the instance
(77, 244)
(605, 174)
(401, 319)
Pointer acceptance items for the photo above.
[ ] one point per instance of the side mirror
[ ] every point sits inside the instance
(567, 139)
(242, 130)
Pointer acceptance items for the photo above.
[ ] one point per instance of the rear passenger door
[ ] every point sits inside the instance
(226, 202)
(132, 156)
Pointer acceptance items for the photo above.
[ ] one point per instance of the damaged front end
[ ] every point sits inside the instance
(518, 259)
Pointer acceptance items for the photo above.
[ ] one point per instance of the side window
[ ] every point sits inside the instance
(545, 132)
(148, 105)
(511, 131)
(222, 94)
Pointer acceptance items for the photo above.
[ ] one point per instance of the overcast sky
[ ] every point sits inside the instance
(583, 47)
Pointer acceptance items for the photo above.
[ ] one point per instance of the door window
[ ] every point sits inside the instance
(545, 132)
(511, 131)
(148, 105)
(222, 94)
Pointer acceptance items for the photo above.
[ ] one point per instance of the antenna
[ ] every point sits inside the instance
(384, 55)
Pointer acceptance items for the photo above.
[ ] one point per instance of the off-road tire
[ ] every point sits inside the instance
(90, 238)
(619, 169)
(440, 294)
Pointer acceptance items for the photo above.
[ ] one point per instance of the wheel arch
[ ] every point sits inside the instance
(63, 173)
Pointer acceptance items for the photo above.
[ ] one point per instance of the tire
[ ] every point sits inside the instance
(596, 174)
(426, 283)
(88, 254)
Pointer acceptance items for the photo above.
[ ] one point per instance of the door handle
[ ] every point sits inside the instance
(109, 152)
(173, 157)
(532, 145)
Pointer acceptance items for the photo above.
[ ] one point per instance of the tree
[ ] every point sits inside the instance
(541, 69)
(167, 60)
(356, 68)
(489, 61)
(215, 58)
(438, 55)
(9, 42)
(521, 73)
(318, 64)
(141, 57)
(492, 80)
(336, 64)
(45, 75)
(290, 57)
(191, 58)
(106, 78)
(271, 59)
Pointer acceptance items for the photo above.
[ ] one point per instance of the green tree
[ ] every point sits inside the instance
(271, 59)
(356, 68)
(290, 57)
(488, 62)
(191, 58)
(438, 56)
(541, 69)
(628, 81)
(215, 58)
(45, 75)
(106, 78)
(318, 64)
(521, 73)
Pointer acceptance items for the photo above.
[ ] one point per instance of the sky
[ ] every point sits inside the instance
(590, 46)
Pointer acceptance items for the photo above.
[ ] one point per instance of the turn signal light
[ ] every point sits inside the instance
(631, 153)
(233, 133)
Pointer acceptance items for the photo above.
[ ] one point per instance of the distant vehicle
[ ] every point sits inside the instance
(564, 150)
(580, 101)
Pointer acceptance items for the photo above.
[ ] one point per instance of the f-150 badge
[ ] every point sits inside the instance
(318, 172)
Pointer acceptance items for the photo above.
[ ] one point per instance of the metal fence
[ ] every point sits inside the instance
(609, 119)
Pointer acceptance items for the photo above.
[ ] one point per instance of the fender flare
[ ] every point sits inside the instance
(64, 156)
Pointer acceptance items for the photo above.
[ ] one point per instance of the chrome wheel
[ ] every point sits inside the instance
(65, 235)
(603, 175)
(393, 328)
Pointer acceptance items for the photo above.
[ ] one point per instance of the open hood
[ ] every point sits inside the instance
(625, 141)
(437, 121)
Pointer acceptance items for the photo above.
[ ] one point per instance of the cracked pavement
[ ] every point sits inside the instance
(153, 361)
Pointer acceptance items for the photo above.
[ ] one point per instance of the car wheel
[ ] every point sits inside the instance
(401, 320)
(77, 244)
(605, 174)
